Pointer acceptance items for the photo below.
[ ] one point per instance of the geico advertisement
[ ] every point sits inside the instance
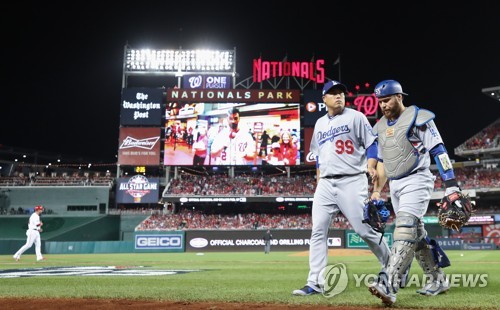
(159, 241)
(252, 240)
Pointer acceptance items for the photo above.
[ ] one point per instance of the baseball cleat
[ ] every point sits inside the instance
(434, 288)
(381, 290)
(305, 291)
(16, 258)
(41, 259)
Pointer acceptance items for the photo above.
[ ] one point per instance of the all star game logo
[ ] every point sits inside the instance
(138, 186)
(89, 271)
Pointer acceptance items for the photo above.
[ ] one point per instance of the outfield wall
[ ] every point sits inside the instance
(202, 241)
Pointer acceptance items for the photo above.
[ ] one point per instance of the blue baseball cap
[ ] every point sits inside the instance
(331, 84)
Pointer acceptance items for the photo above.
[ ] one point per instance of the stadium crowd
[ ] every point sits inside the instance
(195, 219)
(222, 185)
(20, 179)
(242, 185)
(488, 138)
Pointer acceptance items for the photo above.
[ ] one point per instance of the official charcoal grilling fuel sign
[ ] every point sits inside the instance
(138, 189)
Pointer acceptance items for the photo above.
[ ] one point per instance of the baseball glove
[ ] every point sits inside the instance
(376, 214)
(455, 210)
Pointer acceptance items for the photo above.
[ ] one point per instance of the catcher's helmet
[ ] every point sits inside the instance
(39, 208)
(331, 84)
(387, 88)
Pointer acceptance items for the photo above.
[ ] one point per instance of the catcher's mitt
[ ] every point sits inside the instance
(455, 210)
(376, 214)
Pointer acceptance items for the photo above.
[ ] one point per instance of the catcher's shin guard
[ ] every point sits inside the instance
(403, 248)
(431, 258)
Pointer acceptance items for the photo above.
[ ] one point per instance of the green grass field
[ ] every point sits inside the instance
(244, 277)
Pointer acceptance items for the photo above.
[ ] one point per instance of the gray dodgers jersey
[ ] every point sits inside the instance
(339, 143)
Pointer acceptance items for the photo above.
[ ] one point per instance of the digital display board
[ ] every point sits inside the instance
(231, 134)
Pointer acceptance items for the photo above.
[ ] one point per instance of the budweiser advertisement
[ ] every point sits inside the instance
(139, 146)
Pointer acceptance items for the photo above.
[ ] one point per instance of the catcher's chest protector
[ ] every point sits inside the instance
(399, 155)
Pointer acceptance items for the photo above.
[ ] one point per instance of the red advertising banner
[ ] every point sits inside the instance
(139, 146)
(491, 234)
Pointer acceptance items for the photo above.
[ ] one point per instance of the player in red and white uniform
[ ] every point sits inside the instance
(233, 145)
(33, 235)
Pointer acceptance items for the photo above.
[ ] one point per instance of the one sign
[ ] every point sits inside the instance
(207, 81)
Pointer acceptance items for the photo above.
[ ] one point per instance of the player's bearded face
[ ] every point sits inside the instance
(233, 121)
(390, 106)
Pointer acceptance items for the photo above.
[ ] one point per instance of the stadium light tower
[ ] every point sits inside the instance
(170, 62)
(493, 92)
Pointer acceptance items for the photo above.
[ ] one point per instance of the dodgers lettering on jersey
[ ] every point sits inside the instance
(332, 133)
(340, 143)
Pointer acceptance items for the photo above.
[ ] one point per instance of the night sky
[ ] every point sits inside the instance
(62, 68)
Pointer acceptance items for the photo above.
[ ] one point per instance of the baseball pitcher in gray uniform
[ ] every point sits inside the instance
(345, 148)
(407, 138)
